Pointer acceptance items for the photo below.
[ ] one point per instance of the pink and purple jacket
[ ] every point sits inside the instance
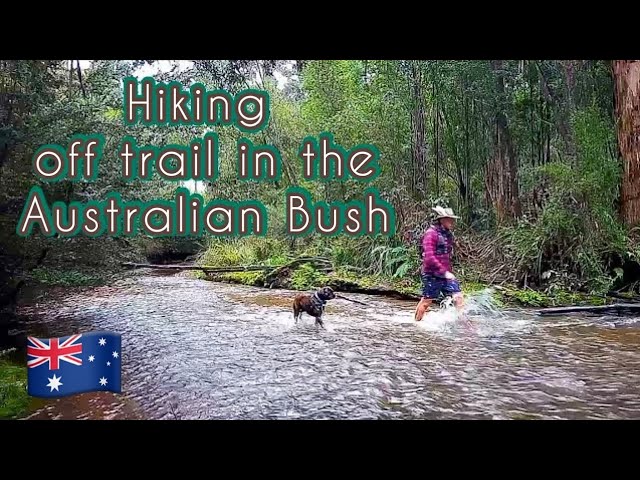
(437, 246)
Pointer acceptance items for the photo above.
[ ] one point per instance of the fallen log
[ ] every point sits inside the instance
(205, 268)
(626, 298)
(256, 268)
(618, 308)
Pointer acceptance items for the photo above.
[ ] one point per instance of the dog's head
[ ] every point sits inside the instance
(326, 293)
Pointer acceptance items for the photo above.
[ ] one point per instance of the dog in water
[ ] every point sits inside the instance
(312, 304)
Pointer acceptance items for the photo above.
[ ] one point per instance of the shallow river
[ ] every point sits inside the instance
(193, 349)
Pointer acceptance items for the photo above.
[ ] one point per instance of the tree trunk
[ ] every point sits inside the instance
(418, 133)
(467, 160)
(502, 169)
(84, 92)
(531, 107)
(436, 142)
(563, 105)
(627, 98)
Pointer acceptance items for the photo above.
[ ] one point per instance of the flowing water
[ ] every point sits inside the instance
(194, 349)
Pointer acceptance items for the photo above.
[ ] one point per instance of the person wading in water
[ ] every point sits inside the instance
(437, 277)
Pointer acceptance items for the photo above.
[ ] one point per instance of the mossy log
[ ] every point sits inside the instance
(204, 268)
(616, 308)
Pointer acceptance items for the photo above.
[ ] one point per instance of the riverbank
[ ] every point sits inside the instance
(307, 278)
(14, 401)
(376, 267)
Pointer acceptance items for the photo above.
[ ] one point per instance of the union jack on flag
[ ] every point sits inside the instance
(52, 352)
(75, 364)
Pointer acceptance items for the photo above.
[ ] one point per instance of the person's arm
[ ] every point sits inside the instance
(450, 275)
(429, 243)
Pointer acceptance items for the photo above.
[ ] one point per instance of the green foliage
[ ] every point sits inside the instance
(473, 287)
(555, 298)
(307, 277)
(198, 274)
(245, 251)
(348, 275)
(14, 400)
(331, 86)
(599, 168)
(529, 298)
(225, 254)
(394, 261)
(577, 230)
(245, 278)
(51, 276)
(347, 251)
(559, 120)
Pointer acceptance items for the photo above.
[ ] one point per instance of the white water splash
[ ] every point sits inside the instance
(480, 315)
(482, 304)
(443, 319)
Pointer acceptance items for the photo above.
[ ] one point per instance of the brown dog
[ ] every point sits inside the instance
(312, 304)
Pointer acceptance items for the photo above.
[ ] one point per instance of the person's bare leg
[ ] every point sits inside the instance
(422, 308)
(458, 299)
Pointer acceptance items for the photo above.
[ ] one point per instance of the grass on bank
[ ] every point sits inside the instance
(69, 278)
(14, 400)
(392, 267)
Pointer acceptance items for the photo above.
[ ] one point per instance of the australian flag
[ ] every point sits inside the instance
(87, 362)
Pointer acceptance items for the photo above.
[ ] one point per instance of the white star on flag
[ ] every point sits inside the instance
(108, 364)
(115, 354)
(91, 358)
(54, 382)
(102, 342)
(103, 381)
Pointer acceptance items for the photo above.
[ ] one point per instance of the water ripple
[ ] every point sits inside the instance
(198, 350)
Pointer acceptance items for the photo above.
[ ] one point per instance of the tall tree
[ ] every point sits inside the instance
(502, 168)
(626, 75)
(418, 131)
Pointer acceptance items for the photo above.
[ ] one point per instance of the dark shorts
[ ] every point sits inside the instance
(433, 286)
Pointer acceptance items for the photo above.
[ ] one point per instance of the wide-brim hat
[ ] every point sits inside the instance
(444, 213)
